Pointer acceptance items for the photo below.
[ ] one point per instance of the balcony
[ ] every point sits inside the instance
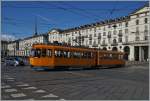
(99, 37)
(95, 45)
(90, 38)
(103, 44)
(136, 42)
(120, 34)
(114, 44)
(109, 36)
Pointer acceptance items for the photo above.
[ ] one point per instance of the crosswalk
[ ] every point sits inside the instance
(12, 90)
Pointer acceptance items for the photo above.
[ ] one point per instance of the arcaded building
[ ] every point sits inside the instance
(128, 34)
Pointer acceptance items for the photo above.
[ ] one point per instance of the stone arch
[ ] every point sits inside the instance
(114, 41)
(104, 48)
(114, 49)
(127, 52)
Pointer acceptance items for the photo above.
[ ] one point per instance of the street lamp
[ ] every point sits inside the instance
(14, 49)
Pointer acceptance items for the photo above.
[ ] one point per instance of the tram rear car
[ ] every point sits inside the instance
(110, 59)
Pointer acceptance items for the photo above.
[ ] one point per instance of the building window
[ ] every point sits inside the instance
(95, 29)
(126, 31)
(137, 38)
(146, 29)
(146, 20)
(104, 42)
(120, 24)
(137, 22)
(120, 31)
(126, 39)
(114, 32)
(99, 36)
(104, 33)
(146, 37)
(109, 26)
(104, 28)
(126, 24)
(114, 41)
(90, 38)
(120, 40)
(90, 42)
(99, 41)
(109, 34)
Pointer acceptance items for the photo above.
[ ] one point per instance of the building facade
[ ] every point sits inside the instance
(128, 34)
(4, 48)
(22, 47)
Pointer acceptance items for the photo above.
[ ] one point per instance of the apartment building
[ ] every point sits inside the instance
(127, 34)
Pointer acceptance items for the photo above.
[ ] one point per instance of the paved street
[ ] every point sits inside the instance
(114, 83)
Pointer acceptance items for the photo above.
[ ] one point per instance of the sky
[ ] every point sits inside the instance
(18, 17)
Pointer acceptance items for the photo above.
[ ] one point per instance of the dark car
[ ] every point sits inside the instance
(14, 61)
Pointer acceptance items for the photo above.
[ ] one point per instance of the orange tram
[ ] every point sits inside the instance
(54, 56)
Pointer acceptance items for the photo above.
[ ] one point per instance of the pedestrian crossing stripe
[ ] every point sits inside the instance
(50, 95)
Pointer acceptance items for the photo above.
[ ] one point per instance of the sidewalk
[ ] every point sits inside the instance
(128, 63)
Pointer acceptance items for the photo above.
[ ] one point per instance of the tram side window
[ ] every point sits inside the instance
(43, 52)
(65, 54)
(69, 55)
(58, 53)
(85, 55)
(32, 53)
(115, 56)
(38, 53)
(120, 56)
(89, 55)
(76, 54)
(49, 53)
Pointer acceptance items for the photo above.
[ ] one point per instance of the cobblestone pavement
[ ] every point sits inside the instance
(127, 83)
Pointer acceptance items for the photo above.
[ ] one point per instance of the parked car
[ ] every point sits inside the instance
(11, 61)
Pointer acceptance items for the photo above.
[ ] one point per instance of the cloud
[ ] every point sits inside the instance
(7, 37)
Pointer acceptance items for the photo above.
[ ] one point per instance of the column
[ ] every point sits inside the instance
(140, 53)
(131, 55)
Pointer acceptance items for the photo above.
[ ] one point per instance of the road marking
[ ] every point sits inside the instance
(79, 74)
(10, 78)
(50, 95)
(6, 86)
(3, 84)
(30, 88)
(6, 76)
(5, 97)
(40, 91)
(63, 99)
(10, 90)
(21, 85)
(18, 95)
(28, 99)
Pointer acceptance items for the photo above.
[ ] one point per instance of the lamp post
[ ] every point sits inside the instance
(26, 48)
(14, 49)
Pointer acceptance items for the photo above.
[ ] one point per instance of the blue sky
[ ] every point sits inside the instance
(18, 17)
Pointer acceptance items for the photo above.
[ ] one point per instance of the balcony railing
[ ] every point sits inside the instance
(109, 36)
(99, 37)
(90, 38)
(103, 44)
(120, 34)
(114, 44)
(95, 45)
